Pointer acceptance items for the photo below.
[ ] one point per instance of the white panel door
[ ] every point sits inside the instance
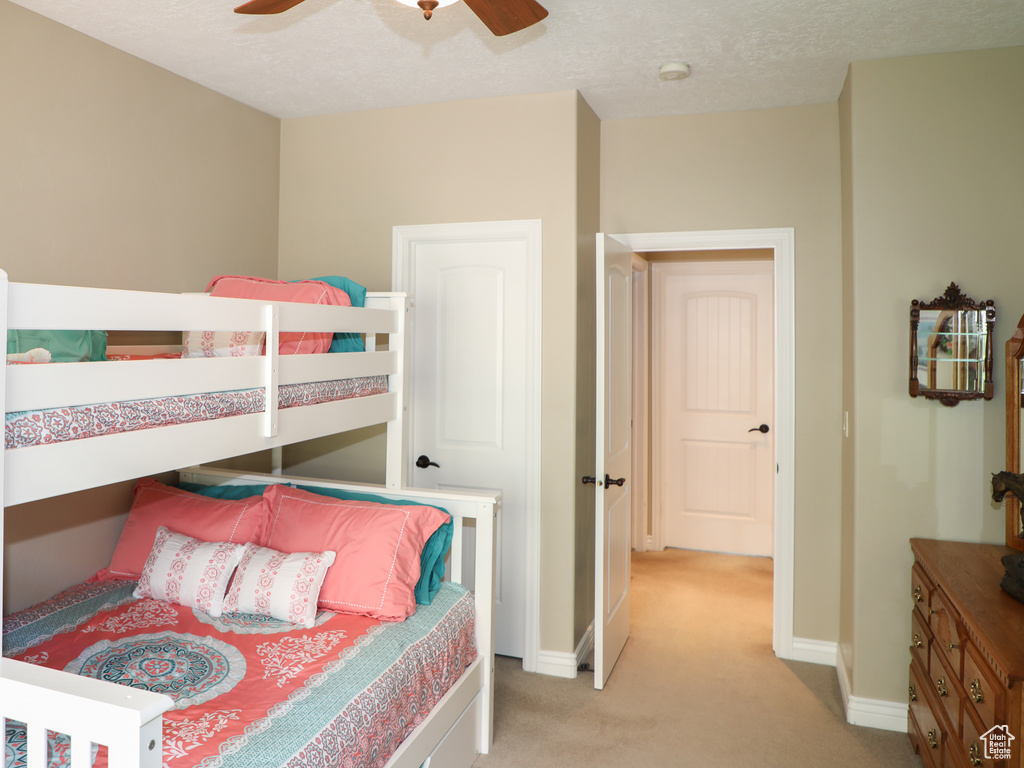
(613, 457)
(469, 392)
(713, 402)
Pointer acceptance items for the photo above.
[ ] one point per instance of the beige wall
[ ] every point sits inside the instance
(770, 168)
(348, 179)
(936, 192)
(115, 173)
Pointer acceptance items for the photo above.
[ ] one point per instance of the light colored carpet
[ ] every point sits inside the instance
(697, 685)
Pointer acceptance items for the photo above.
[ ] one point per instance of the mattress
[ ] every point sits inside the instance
(57, 425)
(253, 692)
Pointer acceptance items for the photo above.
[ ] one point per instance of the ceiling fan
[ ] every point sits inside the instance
(502, 17)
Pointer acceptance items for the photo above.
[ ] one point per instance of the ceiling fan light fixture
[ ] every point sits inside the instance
(427, 6)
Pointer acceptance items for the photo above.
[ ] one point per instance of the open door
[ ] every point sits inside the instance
(613, 455)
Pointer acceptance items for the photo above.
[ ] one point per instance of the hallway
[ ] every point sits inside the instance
(697, 684)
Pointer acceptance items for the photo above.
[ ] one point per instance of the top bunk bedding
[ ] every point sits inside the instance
(96, 420)
(57, 425)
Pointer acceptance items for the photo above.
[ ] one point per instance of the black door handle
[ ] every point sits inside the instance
(608, 481)
(763, 429)
(588, 480)
(424, 461)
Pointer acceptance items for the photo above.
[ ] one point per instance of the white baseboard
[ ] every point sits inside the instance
(871, 713)
(559, 664)
(556, 664)
(815, 651)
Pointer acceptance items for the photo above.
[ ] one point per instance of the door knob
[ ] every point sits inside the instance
(608, 481)
(763, 429)
(424, 461)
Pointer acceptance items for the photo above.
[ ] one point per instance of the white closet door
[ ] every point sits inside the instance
(470, 393)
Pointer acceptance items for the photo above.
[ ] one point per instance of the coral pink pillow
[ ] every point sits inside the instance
(201, 517)
(303, 292)
(378, 548)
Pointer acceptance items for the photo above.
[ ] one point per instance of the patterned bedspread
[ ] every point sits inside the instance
(251, 692)
(57, 425)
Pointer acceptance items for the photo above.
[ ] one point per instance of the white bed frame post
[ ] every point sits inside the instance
(396, 466)
(271, 327)
(485, 575)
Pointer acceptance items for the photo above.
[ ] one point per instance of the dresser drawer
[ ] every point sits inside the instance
(984, 692)
(945, 625)
(945, 684)
(921, 590)
(974, 751)
(920, 639)
(925, 732)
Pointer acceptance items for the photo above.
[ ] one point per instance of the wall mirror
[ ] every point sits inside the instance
(951, 347)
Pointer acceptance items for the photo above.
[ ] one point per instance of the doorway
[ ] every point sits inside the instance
(780, 242)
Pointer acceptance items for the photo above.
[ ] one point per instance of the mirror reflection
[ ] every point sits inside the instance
(951, 348)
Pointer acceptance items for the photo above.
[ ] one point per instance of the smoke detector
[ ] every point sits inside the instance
(674, 70)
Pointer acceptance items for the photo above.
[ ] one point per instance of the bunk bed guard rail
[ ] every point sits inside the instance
(124, 456)
(125, 720)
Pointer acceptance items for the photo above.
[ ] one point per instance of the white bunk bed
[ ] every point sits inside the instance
(128, 721)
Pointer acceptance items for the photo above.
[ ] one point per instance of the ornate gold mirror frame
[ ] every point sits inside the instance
(951, 347)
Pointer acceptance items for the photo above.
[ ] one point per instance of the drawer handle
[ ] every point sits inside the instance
(940, 685)
(933, 739)
(977, 695)
(975, 754)
(918, 596)
(917, 640)
(913, 693)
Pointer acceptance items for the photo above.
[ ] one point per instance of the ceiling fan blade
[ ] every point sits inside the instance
(266, 6)
(503, 17)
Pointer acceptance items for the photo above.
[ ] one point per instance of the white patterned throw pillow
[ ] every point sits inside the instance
(223, 343)
(279, 585)
(188, 571)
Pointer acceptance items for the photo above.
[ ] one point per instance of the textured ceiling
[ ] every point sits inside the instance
(329, 56)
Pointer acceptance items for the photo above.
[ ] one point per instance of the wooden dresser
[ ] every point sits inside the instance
(966, 656)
